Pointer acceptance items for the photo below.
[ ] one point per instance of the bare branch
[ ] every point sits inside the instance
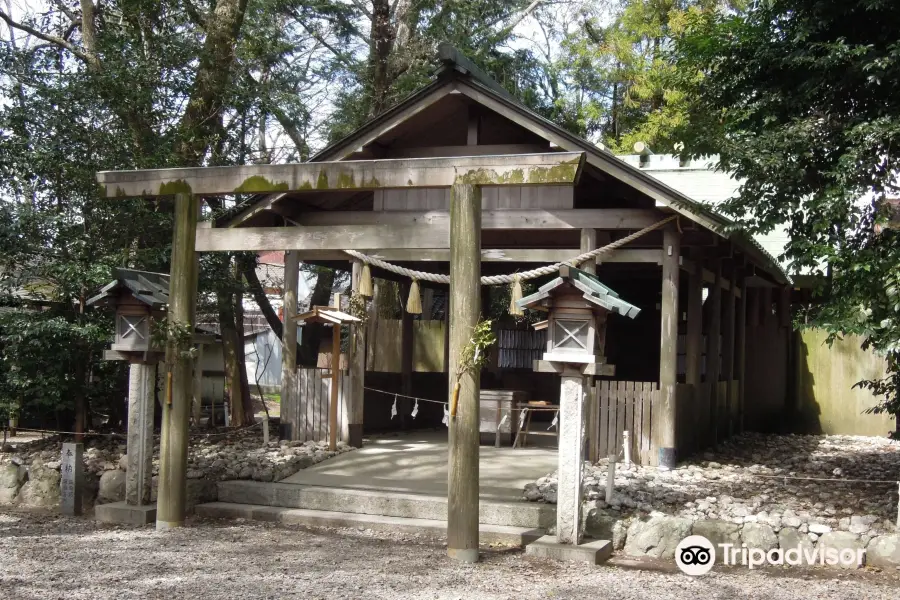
(361, 6)
(53, 39)
(66, 11)
(318, 37)
(521, 16)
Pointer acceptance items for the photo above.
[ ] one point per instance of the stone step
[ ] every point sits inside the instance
(488, 534)
(382, 502)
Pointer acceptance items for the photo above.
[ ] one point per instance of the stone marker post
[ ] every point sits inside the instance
(571, 455)
(141, 382)
(71, 483)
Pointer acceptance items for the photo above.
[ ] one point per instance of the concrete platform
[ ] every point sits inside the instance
(594, 553)
(385, 503)
(122, 512)
(488, 534)
(416, 462)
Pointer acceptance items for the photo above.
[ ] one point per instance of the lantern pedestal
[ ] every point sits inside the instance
(569, 489)
(593, 553)
(141, 384)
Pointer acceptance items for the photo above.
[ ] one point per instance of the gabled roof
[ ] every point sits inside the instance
(325, 314)
(150, 288)
(594, 292)
(458, 75)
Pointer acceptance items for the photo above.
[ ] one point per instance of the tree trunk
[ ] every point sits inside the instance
(246, 398)
(308, 353)
(233, 352)
(380, 45)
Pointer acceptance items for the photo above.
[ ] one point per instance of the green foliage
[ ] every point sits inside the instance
(475, 353)
(623, 86)
(801, 100)
(42, 359)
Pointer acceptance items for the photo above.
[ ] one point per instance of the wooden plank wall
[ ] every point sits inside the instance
(622, 406)
(383, 347)
(305, 411)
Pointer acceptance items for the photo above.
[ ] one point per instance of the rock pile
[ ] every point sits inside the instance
(30, 475)
(763, 490)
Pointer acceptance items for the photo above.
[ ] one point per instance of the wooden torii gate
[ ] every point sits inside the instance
(463, 175)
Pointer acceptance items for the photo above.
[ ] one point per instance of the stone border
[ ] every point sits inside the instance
(658, 534)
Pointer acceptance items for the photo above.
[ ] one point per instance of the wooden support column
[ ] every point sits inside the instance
(198, 386)
(289, 397)
(728, 329)
(668, 354)
(335, 378)
(354, 424)
(406, 355)
(588, 243)
(177, 400)
(465, 306)
(693, 348)
(741, 351)
(713, 345)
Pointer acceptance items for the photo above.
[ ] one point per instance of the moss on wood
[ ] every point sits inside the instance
(258, 184)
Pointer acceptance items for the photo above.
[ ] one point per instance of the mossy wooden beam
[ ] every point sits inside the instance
(517, 169)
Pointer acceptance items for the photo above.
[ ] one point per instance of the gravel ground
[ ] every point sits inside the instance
(742, 482)
(47, 556)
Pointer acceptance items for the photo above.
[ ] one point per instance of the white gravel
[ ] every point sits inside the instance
(47, 556)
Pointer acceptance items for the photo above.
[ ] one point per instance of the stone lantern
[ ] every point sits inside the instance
(140, 299)
(578, 306)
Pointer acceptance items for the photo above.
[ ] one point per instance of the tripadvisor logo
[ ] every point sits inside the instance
(696, 555)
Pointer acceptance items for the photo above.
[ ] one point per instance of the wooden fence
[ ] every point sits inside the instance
(614, 407)
(304, 412)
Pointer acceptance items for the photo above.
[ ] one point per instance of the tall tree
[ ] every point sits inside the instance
(157, 84)
(622, 86)
(801, 100)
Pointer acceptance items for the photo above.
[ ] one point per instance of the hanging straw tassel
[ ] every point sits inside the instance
(414, 302)
(516, 295)
(365, 282)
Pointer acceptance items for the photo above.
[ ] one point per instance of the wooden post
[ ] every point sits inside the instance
(465, 306)
(198, 386)
(610, 477)
(740, 362)
(728, 326)
(668, 353)
(177, 400)
(588, 243)
(693, 343)
(335, 379)
(289, 398)
(357, 365)
(713, 360)
(406, 355)
(693, 348)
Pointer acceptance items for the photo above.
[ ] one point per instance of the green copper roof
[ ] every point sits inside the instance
(594, 291)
